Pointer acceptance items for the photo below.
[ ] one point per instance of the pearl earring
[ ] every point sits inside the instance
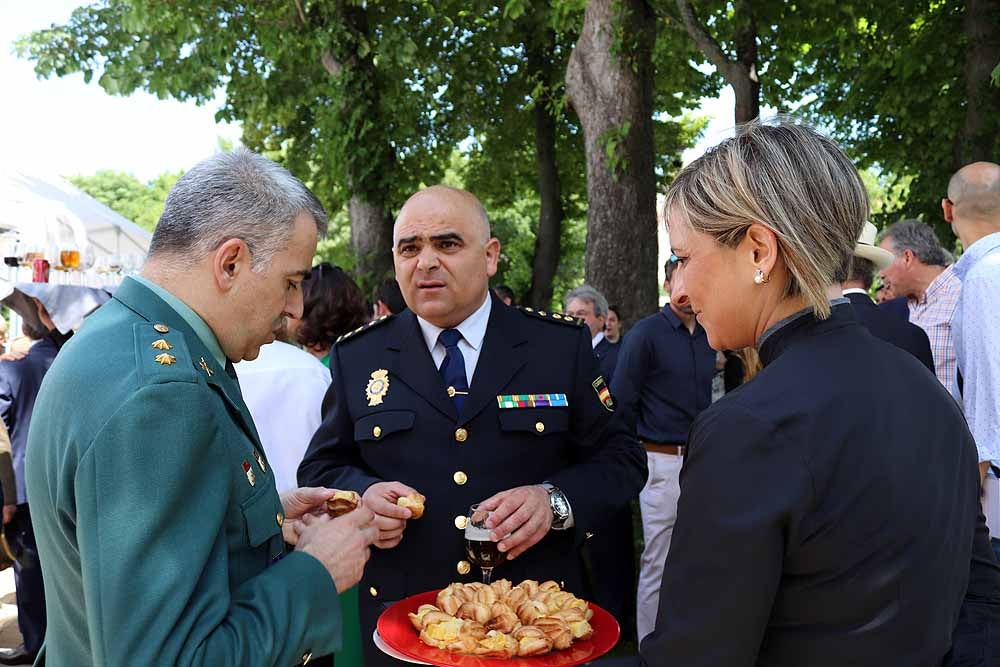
(759, 277)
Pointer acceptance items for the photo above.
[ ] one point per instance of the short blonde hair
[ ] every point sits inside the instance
(793, 180)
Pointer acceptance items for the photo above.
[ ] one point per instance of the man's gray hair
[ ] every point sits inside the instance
(588, 294)
(918, 238)
(238, 194)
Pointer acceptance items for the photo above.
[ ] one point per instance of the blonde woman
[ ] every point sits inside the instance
(827, 507)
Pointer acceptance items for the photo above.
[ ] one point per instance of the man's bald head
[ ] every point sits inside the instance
(974, 192)
(440, 198)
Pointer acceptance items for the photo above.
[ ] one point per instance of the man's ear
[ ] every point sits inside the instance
(949, 210)
(492, 256)
(229, 261)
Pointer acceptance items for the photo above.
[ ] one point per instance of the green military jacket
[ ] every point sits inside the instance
(154, 508)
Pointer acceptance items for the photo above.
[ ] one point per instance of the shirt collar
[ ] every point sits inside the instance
(936, 284)
(975, 252)
(473, 328)
(204, 332)
(781, 324)
(596, 340)
(671, 316)
(855, 290)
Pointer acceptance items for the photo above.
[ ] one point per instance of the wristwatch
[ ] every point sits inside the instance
(560, 506)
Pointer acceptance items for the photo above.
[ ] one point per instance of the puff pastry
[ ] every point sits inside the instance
(342, 502)
(414, 502)
(501, 620)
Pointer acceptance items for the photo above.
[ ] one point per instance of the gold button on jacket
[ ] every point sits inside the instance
(463, 567)
(539, 426)
(461, 522)
(377, 431)
(461, 435)
(460, 478)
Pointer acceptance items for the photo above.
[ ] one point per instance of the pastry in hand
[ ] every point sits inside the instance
(413, 502)
(342, 502)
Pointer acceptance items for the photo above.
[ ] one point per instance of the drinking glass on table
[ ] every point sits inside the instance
(481, 549)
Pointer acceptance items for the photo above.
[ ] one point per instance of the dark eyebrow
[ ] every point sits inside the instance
(447, 236)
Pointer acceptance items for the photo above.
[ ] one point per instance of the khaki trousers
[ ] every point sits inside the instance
(658, 502)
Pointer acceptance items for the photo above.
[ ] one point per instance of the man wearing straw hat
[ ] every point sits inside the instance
(867, 259)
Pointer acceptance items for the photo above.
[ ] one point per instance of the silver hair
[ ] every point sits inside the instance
(588, 294)
(918, 238)
(238, 194)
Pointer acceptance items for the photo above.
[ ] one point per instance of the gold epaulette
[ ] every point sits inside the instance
(364, 327)
(162, 354)
(551, 317)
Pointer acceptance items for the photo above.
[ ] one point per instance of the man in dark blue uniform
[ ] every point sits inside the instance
(467, 400)
(663, 380)
(19, 384)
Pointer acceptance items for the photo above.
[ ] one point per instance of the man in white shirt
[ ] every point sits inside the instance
(284, 389)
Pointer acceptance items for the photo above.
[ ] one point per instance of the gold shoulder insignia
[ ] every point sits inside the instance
(551, 317)
(364, 327)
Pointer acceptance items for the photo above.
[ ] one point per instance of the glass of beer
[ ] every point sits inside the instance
(481, 549)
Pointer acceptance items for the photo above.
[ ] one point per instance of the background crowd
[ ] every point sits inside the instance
(939, 313)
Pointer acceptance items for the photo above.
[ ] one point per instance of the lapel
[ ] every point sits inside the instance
(147, 305)
(601, 348)
(503, 354)
(413, 364)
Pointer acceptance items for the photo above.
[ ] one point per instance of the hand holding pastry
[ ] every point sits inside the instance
(390, 518)
(297, 503)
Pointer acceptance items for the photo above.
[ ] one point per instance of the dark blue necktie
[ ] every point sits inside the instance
(453, 368)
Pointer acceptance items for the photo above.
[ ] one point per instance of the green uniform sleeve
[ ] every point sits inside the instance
(153, 506)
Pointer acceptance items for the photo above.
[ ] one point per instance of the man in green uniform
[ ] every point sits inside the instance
(161, 535)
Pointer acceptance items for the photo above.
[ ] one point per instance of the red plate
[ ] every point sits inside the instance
(395, 628)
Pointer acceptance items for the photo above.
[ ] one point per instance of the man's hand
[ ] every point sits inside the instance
(13, 356)
(8, 513)
(520, 518)
(300, 502)
(389, 517)
(341, 544)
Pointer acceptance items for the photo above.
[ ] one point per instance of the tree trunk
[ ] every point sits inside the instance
(977, 139)
(741, 73)
(368, 210)
(371, 241)
(540, 50)
(610, 87)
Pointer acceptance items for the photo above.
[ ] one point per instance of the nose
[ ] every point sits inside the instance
(428, 259)
(678, 288)
(294, 305)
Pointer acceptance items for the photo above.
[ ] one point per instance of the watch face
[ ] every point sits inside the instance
(559, 506)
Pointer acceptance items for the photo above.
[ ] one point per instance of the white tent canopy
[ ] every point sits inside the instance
(45, 212)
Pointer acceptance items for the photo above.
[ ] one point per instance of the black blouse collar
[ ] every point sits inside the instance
(783, 333)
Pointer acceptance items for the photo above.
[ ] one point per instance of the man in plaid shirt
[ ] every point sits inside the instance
(921, 273)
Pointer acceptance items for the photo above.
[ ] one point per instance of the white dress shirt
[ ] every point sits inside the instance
(595, 341)
(473, 330)
(856, 290)
(283, 389)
